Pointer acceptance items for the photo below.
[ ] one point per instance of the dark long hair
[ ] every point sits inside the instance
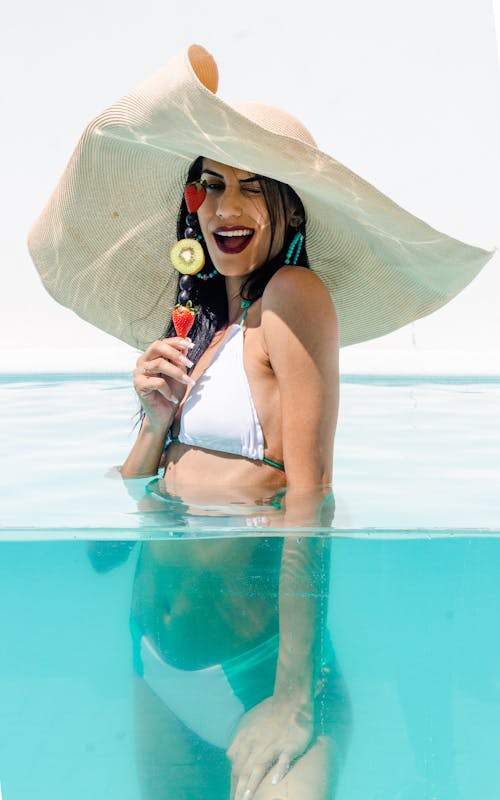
(283, 205)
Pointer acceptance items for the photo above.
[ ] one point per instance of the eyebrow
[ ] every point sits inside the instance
(217, 175)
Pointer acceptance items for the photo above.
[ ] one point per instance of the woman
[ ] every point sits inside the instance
(287, 320)
(286, 343)
(251, 408)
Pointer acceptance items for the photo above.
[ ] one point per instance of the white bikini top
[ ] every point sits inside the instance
(219, 412)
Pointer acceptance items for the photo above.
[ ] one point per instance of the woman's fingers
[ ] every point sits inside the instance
(282, 767)
(256, 766)
(147, 385)
(160, 366)
(239, 753)
(166, 357)
(172, 357)
(170, 349)
(239, 760)
(239, 745)
(253, 772)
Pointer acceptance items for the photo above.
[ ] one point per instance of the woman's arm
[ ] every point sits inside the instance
(160, 380)
(301, 334)
(144, 457)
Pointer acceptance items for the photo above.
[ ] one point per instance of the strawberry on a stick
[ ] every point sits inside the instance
(183, 318)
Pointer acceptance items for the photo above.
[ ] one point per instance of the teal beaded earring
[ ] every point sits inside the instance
(295, 244)
(192, 232)
(207, 275)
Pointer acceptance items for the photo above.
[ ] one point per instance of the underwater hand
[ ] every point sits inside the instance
(271, 736)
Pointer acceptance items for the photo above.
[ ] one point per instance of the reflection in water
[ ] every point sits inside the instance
(236, 681)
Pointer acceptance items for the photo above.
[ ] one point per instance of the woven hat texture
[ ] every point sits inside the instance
(102, 242)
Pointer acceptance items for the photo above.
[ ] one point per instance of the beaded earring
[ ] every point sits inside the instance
(187, 254)
(295, 244)
(193, 232)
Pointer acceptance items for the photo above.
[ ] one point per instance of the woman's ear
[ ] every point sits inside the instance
(296, 220)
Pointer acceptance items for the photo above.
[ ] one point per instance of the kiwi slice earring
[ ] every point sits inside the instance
(187, 256)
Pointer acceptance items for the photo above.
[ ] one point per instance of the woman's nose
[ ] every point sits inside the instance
(229, 204)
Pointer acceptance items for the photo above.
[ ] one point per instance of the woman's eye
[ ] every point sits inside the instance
(219, 187)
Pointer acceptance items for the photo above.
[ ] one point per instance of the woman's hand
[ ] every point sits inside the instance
(270, 737)
(160, 378)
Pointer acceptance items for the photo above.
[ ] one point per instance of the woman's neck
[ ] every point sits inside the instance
(233, 289)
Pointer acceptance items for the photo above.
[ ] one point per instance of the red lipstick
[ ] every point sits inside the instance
(233, 239)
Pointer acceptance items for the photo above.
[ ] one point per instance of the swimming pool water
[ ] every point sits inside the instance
(413, 605)
(411, 455)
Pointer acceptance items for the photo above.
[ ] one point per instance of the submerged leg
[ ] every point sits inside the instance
(173, 763)
(312, 777)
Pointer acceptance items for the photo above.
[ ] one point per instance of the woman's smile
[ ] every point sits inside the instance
(233, 240)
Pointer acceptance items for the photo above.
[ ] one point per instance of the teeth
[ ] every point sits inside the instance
(242, 232)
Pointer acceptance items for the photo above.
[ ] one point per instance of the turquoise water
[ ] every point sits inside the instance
(412, 608)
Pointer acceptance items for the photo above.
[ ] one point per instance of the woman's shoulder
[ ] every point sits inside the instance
(299, 324)
(295, 290)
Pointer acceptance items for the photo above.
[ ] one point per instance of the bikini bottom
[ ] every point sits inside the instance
(211, 701)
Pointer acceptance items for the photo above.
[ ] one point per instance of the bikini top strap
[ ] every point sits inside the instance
(245, 305)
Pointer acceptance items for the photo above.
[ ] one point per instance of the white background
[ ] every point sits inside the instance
(404, 93)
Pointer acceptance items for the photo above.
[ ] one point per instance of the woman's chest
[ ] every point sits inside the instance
(234, 397)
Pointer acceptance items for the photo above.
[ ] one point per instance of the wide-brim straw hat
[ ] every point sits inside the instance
(103, 241)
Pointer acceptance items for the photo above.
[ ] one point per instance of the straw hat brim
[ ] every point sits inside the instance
(102, 243)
